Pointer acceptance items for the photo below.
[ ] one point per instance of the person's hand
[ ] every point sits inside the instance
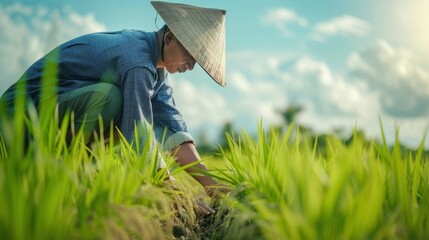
(217, 190)
(204, 208)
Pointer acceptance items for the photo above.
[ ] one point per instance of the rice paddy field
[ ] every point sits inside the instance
(283, 187)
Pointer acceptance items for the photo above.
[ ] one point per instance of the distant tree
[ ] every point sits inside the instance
(203, 138)
(227, 129)
(204, 146)
(290, 113)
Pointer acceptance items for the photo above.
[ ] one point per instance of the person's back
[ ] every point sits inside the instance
(90, 59)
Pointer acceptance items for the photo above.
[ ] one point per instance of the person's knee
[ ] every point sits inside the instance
(112, 109)
(100, 100)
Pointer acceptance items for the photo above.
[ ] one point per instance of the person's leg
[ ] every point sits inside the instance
(90, 102)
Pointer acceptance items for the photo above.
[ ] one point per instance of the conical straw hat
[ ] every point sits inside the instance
(201, 31)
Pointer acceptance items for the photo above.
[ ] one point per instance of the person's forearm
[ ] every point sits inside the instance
(186, 154)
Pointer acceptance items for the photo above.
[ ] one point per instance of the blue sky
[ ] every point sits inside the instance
(345, 62)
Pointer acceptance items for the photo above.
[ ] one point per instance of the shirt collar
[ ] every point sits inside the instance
(162, 74)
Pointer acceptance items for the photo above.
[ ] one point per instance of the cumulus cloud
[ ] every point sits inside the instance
(199, 105)
(326, 92)
(27, 33)
(399, 81)
(239, 82)
(261, 97)
(258, 86)
(261, 83)
(301, 80)
(282, 18)
(344, 26)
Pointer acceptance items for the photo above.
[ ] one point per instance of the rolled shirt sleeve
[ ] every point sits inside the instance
(169, 126)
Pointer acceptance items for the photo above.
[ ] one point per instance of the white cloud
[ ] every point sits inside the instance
(300, 80)
(401, 84)
(327, 92)
(18, 8)
(264, 100)
(239, 82)
(281, 18)
(344, 26)
(256, 87)
(261, 63)
(27, 33)
(330, 99)
(355, 62)
(199, 105)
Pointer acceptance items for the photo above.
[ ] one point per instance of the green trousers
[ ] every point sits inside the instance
(89, 103)
(100, 100)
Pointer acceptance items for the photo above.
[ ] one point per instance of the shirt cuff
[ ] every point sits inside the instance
(176, 139)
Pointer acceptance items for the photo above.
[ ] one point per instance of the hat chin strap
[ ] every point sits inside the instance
(163, 43)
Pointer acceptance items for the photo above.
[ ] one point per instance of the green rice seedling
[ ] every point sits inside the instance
(286, 190)
(53, 187)
(34, 185)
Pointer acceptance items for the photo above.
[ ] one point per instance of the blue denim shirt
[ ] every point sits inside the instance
(128, 60)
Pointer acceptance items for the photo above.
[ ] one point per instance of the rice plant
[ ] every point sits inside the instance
(284, 185)
(287, 189)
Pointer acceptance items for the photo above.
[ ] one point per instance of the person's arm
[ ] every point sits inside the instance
(186, 154)
(137, 88)
(171, 129)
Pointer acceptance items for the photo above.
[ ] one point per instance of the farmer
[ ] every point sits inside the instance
(122, 77)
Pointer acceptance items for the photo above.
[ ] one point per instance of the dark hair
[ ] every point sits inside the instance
(164, 28)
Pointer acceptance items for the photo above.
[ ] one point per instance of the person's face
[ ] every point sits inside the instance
(176, 58)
